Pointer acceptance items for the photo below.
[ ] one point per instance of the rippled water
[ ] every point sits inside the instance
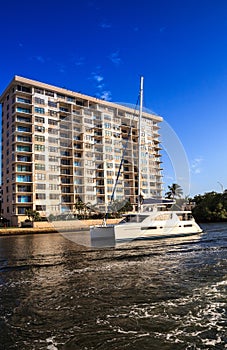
(168, 294)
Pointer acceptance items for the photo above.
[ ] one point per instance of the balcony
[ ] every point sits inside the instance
(24, 188)
(23, 110)
(21, 148)
(24, 168)
(25, 139)
(24, 199)
(24, 129)
(23, 178)
(24, 159)
(22, 119)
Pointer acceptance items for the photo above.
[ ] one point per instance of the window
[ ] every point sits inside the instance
(39, 128)
(23, 158)
(52, 113)
(53, 208)
(65, 153)
(53, 131)
(107, 126)
(53, 149)
(23, 138)
(52, 104)
(39, 148)
(24, 188)
(40, 196)
(89, 163)
(40, 176)
(39, 166)
(23, 100)
(40, 186)
(49, 93)
(117, 157)
(40, 101)
(66, 199)
(108, 133)
(53, 167)
(39, 120)
(88, 121)
(24, 199)
(39, 110)
(23, 178)
(40, 157)
(70, 99)
(90, 198)
(66, 136)
(53, 159)
(89, 172)
(40, 207)
(108, 149)
(23, 119)
(23, 168)
(22, 210)
(53, 177)
(64, 144)
(66, 189)
(61, 96)
(23, 128)
(23, 88)
(52, 122)
(52, 140)
(110, 181)
(23, 110)
(87, 154)
(54, 187)
(65, 161)
(90, 188)
(88, 145)
(65, 127)
(109, 157)
(39, 91)
(65, 171)
(54, 196)
(23, 148)
(39, 138)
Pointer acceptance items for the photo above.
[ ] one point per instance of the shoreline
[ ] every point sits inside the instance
(24, 231)
(81, 225)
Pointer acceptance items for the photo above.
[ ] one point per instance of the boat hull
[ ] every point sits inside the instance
(109, 235)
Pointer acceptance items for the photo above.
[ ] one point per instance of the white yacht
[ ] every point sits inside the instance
(152, 220)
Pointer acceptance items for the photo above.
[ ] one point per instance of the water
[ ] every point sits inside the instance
(171, 294)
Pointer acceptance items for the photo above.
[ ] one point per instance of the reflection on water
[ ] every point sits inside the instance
(168, 294)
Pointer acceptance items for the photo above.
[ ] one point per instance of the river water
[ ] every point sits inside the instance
(165, 294)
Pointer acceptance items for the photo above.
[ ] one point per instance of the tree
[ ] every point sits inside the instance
(210, 207)
(80, 208)
(33, 215)
(175, 190)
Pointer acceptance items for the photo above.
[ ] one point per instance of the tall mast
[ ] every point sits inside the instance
(139, 142)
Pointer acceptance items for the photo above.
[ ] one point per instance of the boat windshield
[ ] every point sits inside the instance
(185, 216)
(133, 218)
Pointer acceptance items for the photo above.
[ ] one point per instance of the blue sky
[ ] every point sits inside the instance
(101, 48)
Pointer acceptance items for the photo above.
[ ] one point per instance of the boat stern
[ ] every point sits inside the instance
(102, 236)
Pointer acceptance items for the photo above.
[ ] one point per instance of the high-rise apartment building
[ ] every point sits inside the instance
(59, 145)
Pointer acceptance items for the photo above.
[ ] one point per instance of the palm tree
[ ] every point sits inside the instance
(33, 215)
(80, 207)
(175, 190)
